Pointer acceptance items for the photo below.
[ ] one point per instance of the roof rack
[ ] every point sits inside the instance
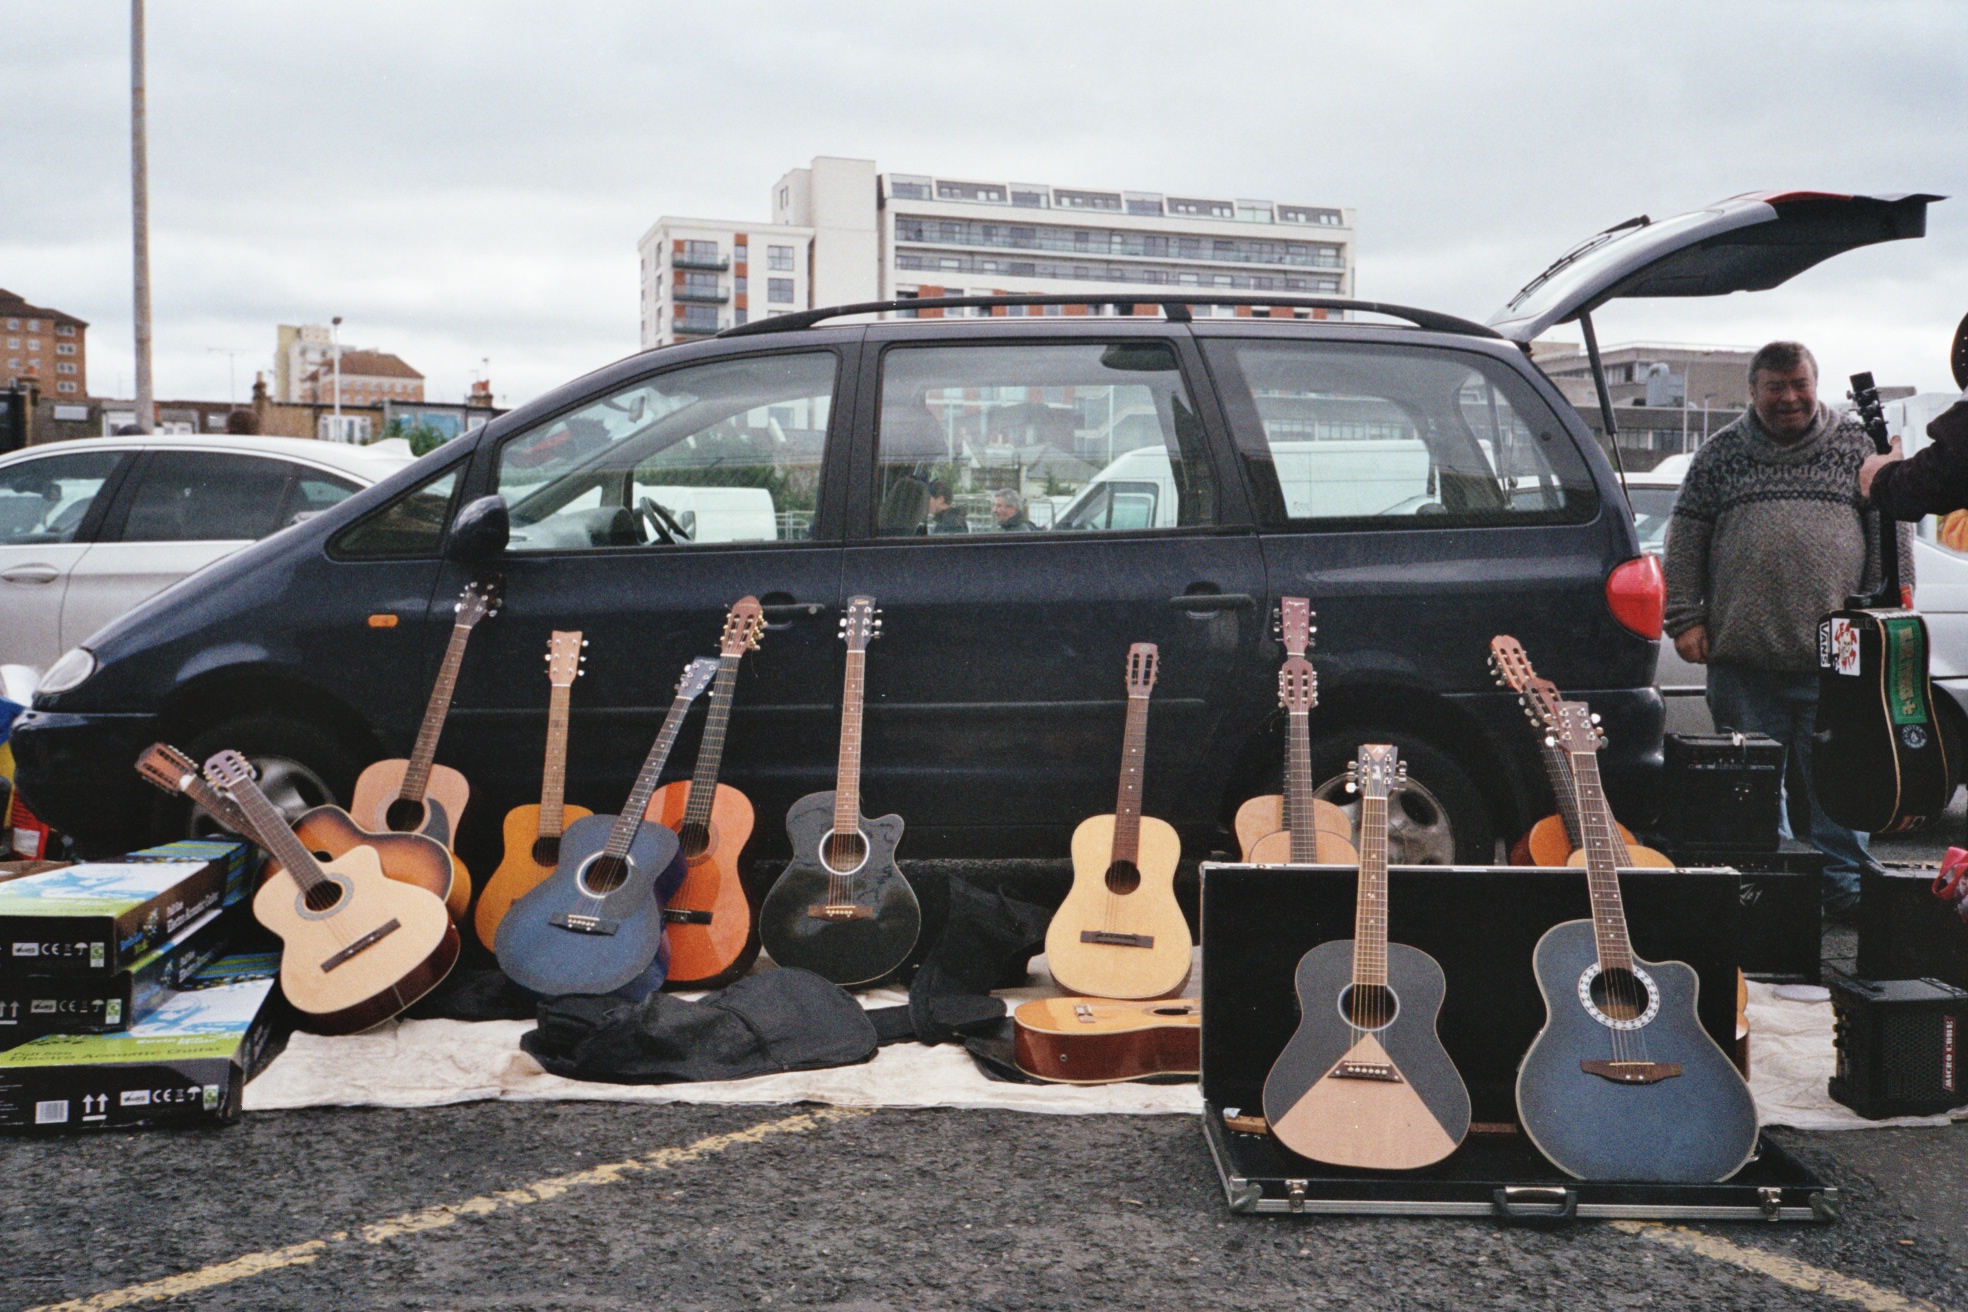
(1175, 309)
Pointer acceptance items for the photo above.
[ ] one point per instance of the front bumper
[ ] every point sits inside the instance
(77, 772)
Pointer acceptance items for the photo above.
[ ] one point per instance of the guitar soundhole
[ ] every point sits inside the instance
(323, 896)
(606, 875)
(844, 852)
(1369, 1006)
(1619, 994)
(696, 839)
(546, 851)
(404, 816)
(1122, 877)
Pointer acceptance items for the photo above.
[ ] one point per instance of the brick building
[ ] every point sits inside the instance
(47, 347)
(367, 378)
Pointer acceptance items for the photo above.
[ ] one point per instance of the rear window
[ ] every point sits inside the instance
(1358, 434)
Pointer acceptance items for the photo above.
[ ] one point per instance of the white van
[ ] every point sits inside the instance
(1376, 476)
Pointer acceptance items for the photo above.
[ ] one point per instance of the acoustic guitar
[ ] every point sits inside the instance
(1556, 840)
(710, 918)
(357, 948)
(1365, 1081)
(596, 924)
(1264, 824)
(842, 908)
(418, 796)
(1879, 765)
(1119, 933)
(327, 831)
(1622, 1083)
(1104, 1041)
(532, 832)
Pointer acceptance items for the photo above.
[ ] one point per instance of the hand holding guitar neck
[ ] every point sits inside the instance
(357, 947)
(1265, 832)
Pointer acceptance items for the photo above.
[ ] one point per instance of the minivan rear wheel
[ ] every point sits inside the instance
(1438, 818)
(299, 766)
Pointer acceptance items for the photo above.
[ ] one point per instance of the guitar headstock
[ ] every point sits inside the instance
(1378, 771)
(1577, 728)
(1872, 411)
(229, 770)
(479, 601)
(1144, 658)
(1295, 624)
(1298, 685)
(167, 767)
(1539, 697)
(744, 625)
(861, 624)
(697, 676)
(566, 653)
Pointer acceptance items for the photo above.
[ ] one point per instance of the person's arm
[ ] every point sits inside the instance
(1931, 483)
(1686, 568)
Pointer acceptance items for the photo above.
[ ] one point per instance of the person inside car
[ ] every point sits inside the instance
(944, 517)
(1008, 509)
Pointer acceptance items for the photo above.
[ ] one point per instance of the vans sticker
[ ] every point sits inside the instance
(1845, 648)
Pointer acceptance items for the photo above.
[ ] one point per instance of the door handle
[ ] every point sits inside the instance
(1205, 601)
(782, 610)
(31, 574)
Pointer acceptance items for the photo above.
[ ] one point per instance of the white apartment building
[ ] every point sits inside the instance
(860, 235)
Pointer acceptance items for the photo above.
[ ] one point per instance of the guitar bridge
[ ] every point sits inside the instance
(839, 911)
(369, 940)
(1367, 1070)
(583, 924)
(1631, 1072)
(1117, 940)
(682, 916)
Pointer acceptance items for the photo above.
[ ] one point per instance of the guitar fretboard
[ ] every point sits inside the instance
(847, 775)
(710, 753)
(1604, 853)
(1559, 768)
(553, 778)
(622, 836)
(1127, 806)
(416, 776)
(267, 827)
(1300, 819)
(1370, 913)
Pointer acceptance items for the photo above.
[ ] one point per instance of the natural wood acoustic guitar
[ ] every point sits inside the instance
(532, 831)
(357, 948)
(1264, 825)
(1119, 933)
(711, 931)
(418, 796)
(1365, 1081)
(1103, 1040)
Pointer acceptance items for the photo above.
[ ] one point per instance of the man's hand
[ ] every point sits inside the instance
(1872, 466)
(1692, 644)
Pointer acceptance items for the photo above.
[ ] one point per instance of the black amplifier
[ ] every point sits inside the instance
(1898, 1046)
(1905, 932)
(1721, 792)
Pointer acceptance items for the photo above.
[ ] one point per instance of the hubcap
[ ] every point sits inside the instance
(1418, 829)
(292, 787)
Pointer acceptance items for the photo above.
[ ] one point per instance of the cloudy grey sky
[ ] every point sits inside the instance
(467, 181)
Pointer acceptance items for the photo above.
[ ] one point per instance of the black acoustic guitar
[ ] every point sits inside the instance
(1878, 764)
(1622, 1083)
(842, 909)
(1365, 1081)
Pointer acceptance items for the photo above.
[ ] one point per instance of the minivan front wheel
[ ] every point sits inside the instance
(1437, 818)
(299, 767)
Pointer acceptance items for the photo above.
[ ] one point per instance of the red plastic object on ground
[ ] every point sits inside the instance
(1951, 885)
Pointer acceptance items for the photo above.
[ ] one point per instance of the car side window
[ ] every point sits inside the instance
(206, 496)
(44, 500)
(1336, 433)
(728, 451)
(410, 527)
(315, 492)
(1069, 437)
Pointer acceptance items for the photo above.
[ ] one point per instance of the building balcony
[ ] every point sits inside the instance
(700, 295)
(717, 262)
(696, 327)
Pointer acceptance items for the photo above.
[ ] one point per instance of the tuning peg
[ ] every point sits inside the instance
(1550, 740)
(1595, 717)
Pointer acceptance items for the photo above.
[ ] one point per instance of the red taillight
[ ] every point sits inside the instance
(1636, 593)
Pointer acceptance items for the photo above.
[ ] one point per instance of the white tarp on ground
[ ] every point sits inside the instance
(423, 1063)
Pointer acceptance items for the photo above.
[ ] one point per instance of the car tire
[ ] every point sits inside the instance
(302, 764)
(1445, 816)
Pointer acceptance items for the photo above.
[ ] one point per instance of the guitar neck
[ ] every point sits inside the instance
(710, 754)
(1559, 768)
(1603, 855)
(1370, 913)
(553, 778)
(1299, 817)
(623, 835)
(1127, 806)
(416, 777)
(847, 776)
(266, 826)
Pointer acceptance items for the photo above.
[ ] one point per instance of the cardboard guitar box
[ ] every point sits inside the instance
(1481, 924)
(186, 1063)
(32, 1005)
(98, 918)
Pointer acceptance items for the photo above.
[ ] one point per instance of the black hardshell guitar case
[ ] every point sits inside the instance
(1481, 923)
(1879, 763)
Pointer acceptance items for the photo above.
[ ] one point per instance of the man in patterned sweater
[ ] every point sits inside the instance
(1768, 534)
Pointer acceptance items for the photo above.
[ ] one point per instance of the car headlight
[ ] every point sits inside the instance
(70, 672)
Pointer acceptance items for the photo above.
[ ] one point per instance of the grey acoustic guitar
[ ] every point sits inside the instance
(1365, 1081)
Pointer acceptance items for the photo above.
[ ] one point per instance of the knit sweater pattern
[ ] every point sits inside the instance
(1767, 536)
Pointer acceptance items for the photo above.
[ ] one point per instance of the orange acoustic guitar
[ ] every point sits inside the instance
(532, 832)
(418, 796)
(1556, 840)
(326, 831)
(1102, 1041)
(1268, 820)
(709, 919)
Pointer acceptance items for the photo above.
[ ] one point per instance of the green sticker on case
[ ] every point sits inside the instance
(1906, 665)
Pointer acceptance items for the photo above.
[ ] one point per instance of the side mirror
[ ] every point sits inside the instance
(480, 532)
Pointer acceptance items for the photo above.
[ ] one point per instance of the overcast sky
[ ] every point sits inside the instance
(467, 181)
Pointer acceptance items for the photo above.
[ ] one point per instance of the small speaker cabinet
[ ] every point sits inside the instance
(1899, 1046)
(1720, 793)
(1905, 932)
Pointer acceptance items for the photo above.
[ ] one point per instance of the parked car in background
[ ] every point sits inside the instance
(90, 528)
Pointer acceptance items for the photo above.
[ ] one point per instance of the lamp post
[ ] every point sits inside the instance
(335, 356)
(140, 218)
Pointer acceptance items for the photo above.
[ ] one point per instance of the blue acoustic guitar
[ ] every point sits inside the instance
(596, 924)
(1622, 1083)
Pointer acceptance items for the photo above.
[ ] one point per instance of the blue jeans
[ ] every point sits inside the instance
(1784, 706)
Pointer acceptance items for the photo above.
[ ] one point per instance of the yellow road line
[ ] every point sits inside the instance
(1777, 1267)
(433, 1218)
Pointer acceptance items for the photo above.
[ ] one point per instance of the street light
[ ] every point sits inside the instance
(335, 354)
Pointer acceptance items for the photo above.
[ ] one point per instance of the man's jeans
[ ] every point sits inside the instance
(1784, 706)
